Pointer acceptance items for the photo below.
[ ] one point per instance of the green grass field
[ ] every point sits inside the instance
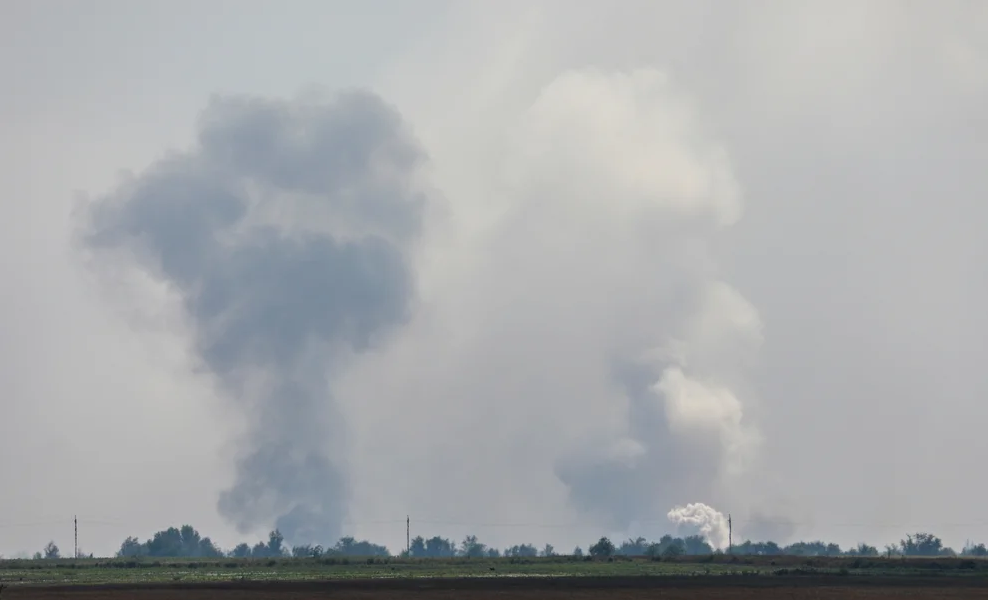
(102, 571)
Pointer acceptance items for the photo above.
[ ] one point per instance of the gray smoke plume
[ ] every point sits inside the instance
(286, 232)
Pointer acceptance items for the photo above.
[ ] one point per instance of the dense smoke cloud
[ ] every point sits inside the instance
(523, 392)
(286, 232)
(591, 292)
(700, 519)
(624, 167)
(581, 359)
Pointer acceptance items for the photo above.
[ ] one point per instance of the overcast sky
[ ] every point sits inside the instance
(666, 252)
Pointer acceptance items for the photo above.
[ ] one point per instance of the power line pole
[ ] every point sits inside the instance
(730, 535)
(75, 523)
(408, 535)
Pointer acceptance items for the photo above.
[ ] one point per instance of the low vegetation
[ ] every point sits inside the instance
(182, 554)
(151, 570)
(186, 542)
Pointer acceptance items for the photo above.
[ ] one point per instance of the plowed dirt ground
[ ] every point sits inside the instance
(626, 588)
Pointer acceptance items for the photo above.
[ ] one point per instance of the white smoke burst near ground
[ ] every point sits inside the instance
(699, 519)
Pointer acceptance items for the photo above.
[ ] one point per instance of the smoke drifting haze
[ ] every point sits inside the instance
(581, 369)
(287, 231)
(537, 272)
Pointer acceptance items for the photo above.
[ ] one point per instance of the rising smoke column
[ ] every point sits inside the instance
(579, 361)
(629, 190)
(286, 232)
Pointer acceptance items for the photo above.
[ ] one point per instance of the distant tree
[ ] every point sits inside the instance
(602, 549)
(676, 548)
(190, 540)
(345, 546)
(921, 544)
(241, 551)
(523, 550)
(863, 550)
(274, 548)
(417, 547)
(633, 547)
(51, 551)
(658, 548)
(493, 553)
(348, 546)
(971, 550)
(132, 548)
(696, 545)
(548, 550)
(578, 552)
(260, 550)
(172, 542)
(276, 544)
(307, 551)
(37, 556)
(816, 548)
(439, 547)
(802, 549)
(166, 543)
(758, 548)
(471, 548)
(208, 549)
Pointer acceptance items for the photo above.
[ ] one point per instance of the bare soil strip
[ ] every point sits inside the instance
(727, 587)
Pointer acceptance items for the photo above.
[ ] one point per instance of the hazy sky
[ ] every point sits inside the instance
(667, 252)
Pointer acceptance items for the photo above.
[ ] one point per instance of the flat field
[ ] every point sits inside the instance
(626, 578)
(627, 588)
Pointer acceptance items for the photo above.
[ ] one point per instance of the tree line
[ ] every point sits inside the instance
(186, 542)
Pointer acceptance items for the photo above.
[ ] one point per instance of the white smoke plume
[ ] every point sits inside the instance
(628, 149)
(580, 355)
(699, 519)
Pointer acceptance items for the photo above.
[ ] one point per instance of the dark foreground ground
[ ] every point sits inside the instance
(670, 587)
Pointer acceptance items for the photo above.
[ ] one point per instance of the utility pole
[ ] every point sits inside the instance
(730, 535)
(75, 522)
(408, 536)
